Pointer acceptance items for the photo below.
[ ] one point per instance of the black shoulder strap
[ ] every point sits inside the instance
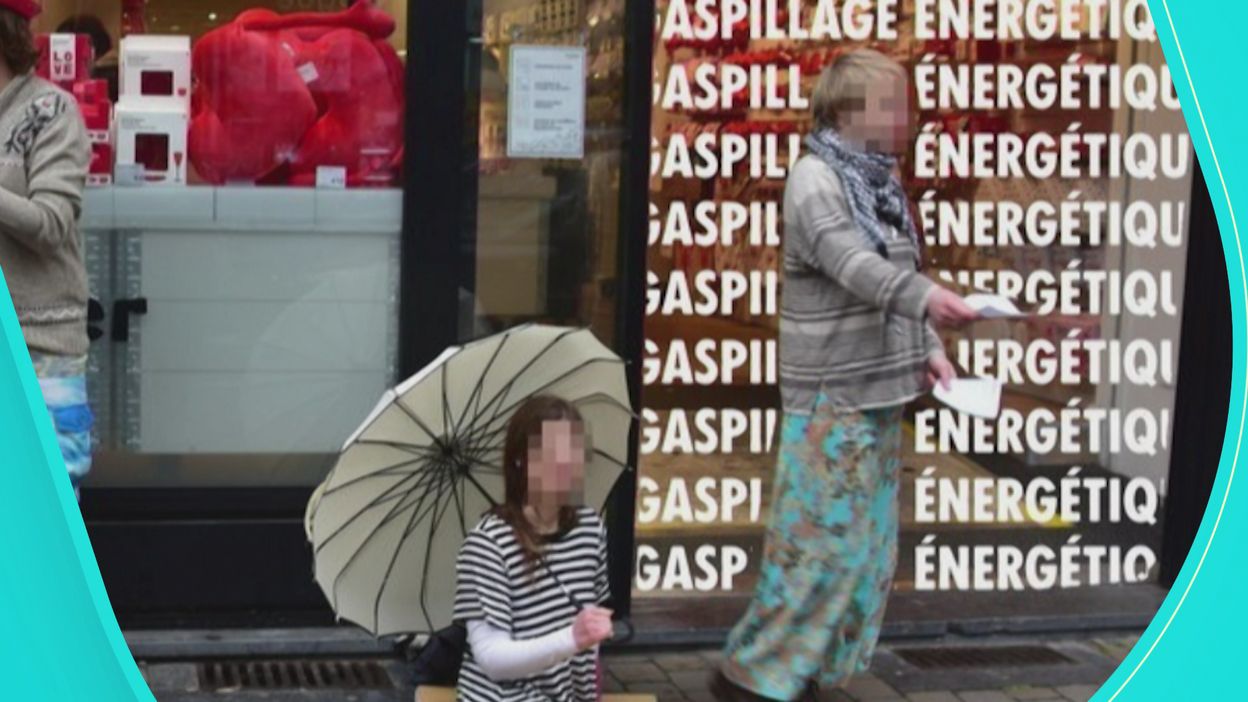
(576, 602)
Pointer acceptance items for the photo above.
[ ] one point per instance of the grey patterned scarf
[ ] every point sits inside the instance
(874, 194)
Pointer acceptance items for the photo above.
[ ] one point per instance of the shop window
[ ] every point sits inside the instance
(241, 228)
(711, 400)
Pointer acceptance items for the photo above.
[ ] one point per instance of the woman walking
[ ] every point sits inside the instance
(855, 346)
(532, 576)
(43, 167)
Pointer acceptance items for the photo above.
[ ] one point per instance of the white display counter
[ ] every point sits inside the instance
(270, 325)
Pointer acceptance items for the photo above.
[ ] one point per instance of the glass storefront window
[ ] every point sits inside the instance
(243, 242)
(703, 500)
(242, 231)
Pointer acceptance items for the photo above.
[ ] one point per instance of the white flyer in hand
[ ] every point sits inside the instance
(993, 306)
(978, 397)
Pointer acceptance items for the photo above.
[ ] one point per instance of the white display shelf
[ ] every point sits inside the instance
(261, 209)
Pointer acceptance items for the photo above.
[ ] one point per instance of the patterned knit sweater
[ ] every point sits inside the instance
(44, 154)
(852, 323)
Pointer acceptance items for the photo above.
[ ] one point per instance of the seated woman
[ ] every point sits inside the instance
(533, 573)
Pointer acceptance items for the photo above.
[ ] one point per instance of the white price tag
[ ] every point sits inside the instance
(130, 175)
(308, 72)
(331, 177)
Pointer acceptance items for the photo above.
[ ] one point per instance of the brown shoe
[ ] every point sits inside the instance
(725, 690)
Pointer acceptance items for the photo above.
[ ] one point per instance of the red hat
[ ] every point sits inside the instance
(25, 8)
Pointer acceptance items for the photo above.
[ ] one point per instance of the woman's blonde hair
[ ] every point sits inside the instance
(841, 86)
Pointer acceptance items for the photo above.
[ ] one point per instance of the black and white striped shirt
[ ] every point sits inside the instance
(497, 585)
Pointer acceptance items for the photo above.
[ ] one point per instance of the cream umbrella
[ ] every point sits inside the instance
(387, 524)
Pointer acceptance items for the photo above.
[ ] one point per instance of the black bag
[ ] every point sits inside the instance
(437, 663)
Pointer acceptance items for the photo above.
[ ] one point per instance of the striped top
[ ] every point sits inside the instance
(497, 585)
(852, 323)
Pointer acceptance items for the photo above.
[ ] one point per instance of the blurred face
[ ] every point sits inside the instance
(884, 122)
(557, 464)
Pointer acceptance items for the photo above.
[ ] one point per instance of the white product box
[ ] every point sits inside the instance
(151, 142)
(156, 67)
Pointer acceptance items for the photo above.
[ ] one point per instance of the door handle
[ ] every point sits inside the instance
(95, 315)
(122, 309)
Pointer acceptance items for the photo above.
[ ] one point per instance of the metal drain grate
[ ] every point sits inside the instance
(293, 674)
(981, 656)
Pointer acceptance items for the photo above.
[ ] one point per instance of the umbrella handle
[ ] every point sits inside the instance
(628, 627)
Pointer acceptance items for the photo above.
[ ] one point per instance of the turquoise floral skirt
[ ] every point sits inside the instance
(63, 381)
(830, 554)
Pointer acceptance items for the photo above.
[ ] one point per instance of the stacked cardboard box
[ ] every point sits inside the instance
(97, 113)
(154, 110)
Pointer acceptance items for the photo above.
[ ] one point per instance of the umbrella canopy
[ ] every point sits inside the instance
(387, 524)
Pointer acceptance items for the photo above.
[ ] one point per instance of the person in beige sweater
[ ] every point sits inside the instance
(857, 343)
(44, 154)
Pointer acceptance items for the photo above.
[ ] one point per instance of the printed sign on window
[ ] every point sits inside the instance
(64, 57)
(546, 102)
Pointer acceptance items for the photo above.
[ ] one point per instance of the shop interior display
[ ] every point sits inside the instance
(67, 60)
(97, 113)
(332, 76)
(64, 59)
(266, 99)
(156, 66)
(151, 142)
(133, 20)
(153, 111)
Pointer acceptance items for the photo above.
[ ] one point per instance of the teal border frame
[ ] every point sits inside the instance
(1193, 649)
(61, 640)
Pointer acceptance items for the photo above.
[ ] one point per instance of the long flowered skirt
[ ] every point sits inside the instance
(63, 381)
(830, 554)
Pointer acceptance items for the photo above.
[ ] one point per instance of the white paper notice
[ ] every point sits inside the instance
(978, 397)
(546, 102)
(993, 306)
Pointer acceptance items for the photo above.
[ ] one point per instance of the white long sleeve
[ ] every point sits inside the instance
(503, 658)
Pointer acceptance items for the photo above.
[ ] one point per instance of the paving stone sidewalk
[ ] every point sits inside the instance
(682, 676)
(1074, 670)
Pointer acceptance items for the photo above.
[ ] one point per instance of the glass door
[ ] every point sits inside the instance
(557, 113)
(547, 216)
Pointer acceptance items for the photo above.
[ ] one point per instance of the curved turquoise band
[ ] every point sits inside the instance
(60, 640)
(1193, 649)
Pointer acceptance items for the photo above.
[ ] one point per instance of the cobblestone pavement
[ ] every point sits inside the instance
(681, 677)
(1070, 670)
